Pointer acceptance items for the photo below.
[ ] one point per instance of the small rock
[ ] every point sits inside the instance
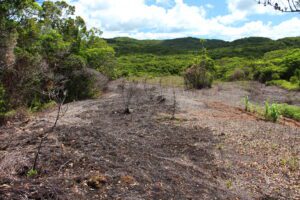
(222, 134)
(97, 182)
(128, 180)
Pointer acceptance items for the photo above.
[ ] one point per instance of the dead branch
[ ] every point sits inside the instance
(59, 96)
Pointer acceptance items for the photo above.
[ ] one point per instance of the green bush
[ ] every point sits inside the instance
(80, 86)
(72, 63)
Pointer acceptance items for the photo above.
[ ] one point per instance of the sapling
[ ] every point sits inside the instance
(59, 96)
(271, 112)
(246, 100)
(127, 94)
(174, 105)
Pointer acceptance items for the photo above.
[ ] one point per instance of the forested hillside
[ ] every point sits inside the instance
(252, 47)
(255, 58)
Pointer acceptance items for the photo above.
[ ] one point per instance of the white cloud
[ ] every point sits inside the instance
(164, 2)
(134, 18)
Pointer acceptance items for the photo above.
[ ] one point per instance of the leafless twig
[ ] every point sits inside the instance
(174, 105)
(59, 96)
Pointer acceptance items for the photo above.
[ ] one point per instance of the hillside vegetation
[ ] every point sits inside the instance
(275, 62)
(46, 50)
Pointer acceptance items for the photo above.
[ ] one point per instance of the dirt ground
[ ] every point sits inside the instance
(212, 149)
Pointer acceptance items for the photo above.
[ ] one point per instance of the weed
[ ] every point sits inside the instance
(271, 112)
(229, 184)
(32, 172)
(246, 101)
(292, 163)
(220, 146)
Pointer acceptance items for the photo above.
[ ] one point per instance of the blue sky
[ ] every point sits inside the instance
(161, 19)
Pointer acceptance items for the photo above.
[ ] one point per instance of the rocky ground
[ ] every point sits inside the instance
(211, 149)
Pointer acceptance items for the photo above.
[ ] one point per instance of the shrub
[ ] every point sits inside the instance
(200, 75)
(271, 112)
(294, 79)
(23, 79)
(275, 76)
(73, 62)
(237, 74)
(79, 86)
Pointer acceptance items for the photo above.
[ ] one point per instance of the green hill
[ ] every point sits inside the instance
(254, 58)
(252, 47)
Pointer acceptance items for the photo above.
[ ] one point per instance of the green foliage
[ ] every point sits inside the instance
(200, 75)
(3, 103)
(153, 65)
(284, 84)
(252, 58)
(79, 86)
(129, 46)
(72, 63)
(36, 104)
(271, 112)
(48, 47)
(289, 111)
(247, 104)
(32, 173)
(102, 59)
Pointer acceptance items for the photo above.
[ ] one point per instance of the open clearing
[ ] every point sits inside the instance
(211, 150)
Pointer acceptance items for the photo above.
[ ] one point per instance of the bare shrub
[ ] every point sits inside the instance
(237, 75)
(128, 91)
(197, 77)
(59, 95)
(174, 105)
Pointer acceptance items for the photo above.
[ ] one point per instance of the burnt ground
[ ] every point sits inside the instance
(211, 150)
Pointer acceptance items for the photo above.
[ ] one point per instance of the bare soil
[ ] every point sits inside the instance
(211, 150)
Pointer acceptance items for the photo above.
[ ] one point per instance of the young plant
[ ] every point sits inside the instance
(174, 105)
(271, 112)
(274, 114)
(32, 172)
(127, 94)
(246, 101)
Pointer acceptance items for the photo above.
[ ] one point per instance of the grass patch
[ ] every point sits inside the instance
(289, 111)
(284, 84)
(285, 110)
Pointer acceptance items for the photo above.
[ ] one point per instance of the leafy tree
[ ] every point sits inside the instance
(11, 14)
